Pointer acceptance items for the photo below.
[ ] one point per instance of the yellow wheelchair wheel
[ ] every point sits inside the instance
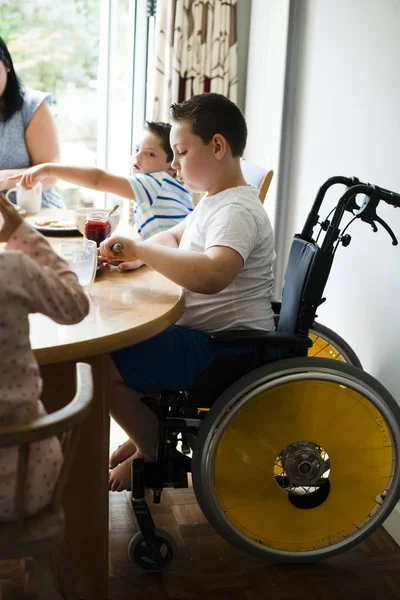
(299, 460)
(328, 344)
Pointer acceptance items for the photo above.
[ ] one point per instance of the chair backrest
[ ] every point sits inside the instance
(306, 274)
(257, 176)
(63, 423)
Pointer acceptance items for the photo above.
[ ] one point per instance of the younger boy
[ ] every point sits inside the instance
(160, 200)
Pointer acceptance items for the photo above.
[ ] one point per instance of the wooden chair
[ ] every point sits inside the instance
(257, 176)
(41, 536)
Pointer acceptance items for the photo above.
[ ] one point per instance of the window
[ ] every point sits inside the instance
(92, 55)
(126, 37)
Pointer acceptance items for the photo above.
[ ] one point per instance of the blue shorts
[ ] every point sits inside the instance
(170, 361)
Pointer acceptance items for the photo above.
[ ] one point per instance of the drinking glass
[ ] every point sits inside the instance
(97, 227)
(81, 256)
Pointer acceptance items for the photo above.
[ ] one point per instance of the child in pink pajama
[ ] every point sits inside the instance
(33, 279)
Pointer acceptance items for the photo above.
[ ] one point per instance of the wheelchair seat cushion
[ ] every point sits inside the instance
(171, 360)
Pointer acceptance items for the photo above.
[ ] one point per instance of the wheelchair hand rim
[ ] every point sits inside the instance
(296, 369)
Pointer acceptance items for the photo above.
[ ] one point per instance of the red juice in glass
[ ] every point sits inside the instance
(97, 227)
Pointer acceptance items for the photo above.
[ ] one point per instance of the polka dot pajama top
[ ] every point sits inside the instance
(33, 279)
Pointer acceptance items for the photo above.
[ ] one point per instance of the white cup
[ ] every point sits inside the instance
(31, 200)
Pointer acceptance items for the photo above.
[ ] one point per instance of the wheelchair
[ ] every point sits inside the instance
(295, 459)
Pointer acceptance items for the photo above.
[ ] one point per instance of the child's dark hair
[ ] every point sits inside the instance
(12, 98)
(162, 130)
(211, 114)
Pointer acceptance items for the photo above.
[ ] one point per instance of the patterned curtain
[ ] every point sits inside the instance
(196, 51)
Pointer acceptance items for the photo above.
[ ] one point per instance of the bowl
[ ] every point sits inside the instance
(80, 217)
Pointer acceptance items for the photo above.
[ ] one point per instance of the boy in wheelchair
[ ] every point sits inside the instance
(221, 255)
(296, 460)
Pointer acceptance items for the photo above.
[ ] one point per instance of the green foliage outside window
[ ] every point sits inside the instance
(55, 45)
(52, 42)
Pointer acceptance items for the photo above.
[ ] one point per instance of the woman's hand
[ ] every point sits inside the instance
(11, 217)
(125, 254)
(32, 176)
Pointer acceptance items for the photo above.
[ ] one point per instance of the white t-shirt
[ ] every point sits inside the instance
(234, 218)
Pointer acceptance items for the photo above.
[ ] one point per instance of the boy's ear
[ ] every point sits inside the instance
(220, 146)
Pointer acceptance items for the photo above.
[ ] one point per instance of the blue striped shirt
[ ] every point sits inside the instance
(161, 202)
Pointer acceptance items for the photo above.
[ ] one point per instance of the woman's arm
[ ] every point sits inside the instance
(42, 142)
(90, 177)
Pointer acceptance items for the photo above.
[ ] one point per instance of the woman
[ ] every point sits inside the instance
(28, 134)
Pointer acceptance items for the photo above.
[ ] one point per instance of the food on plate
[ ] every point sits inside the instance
(54, 223)
(64, 224)
(43, 222)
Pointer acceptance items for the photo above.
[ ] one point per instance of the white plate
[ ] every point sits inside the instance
(51, 228)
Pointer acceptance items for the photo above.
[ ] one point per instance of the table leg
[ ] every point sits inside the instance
(86, 492)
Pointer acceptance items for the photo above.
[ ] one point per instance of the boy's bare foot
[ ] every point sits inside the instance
(120, 476)
(123, 452)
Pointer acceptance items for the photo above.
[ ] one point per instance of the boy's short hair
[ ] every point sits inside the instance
(210, 114)
(162, 130)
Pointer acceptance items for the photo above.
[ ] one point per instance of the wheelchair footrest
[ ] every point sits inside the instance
(157, 476)
(175, 475)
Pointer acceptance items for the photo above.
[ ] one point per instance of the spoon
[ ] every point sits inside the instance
(117, 247)
(113, 210)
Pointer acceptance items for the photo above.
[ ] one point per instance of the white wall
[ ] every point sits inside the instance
(265, 87)
(347, 122)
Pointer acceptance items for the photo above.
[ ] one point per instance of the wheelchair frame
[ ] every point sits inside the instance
(307, 273)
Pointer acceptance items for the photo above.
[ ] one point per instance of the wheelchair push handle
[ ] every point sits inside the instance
(313, 215)
(366, 211)
(389, 197)
(386, 195)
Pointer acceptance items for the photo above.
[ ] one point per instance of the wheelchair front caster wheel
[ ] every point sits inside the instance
(156, 559)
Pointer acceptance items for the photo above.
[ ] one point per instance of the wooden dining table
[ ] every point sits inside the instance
(125, 308)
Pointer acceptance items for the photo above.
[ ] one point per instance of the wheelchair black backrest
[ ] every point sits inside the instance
(306, 274)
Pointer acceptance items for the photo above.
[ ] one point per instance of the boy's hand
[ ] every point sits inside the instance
(32, 176)
(12, 219)
(130, 266)
(126, 254)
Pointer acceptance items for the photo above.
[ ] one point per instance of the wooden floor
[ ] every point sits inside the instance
(208, 568)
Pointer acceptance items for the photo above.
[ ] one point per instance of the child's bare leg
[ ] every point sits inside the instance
(140, 424)
(138, 421)
(128, 448)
